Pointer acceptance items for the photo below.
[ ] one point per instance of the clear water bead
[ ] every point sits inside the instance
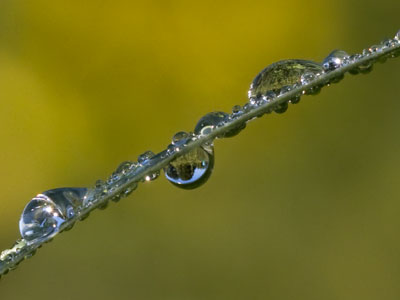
(211, 121)
(335, 59)
(180, 139)
(192, 169)
(397, 36)
(280, 74)
(144, 157)
(45, 213)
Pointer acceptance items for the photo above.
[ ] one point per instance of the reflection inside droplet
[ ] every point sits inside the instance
(45, 213)
(192, 169)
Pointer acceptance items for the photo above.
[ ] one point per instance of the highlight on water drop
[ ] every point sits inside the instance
(192, 169)
(281, 74)
(214, 119)
(44, 214)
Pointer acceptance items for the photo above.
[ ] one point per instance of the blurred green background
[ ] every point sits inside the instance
(302, 205)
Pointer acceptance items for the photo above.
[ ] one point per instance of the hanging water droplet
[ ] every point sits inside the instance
(211, 121)
(280, 74)
(45, 213)
(152, 176)
(192, 169)
(307, 78)
(335, 59)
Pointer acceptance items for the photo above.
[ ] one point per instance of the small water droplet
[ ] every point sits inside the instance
(45, 213)
(211, 121)
(236, 109)
(307, 78)
(366, 67)
(103, 205)
(146, 156)
(335, 59)
(152, 176)
(192, 169)
(180, 139)
(143, 159)
(281, 74)
(125, 167)
(281, 108)
(397, 36)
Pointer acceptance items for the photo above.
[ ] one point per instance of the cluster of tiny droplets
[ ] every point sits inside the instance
(45, 215)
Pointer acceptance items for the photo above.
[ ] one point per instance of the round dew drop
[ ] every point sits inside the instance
(44, 214)
(192, 169)
(335, 59)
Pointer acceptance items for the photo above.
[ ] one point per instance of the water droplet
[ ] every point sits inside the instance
(143, 158)
(192, 169)
(366, 67)
(335, 59)
(211, 121)
(152, 176)
(45, 213)
(307, 78)
(280, 74)
(125, 167)
(236, 109)
(180, 139)
(397, 36)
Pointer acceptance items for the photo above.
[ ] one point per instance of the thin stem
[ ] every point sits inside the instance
(10, 258)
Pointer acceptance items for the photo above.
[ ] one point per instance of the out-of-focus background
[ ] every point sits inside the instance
(303, 205)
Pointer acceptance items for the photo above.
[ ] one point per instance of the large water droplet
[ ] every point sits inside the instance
(280, 74)
(335, 59)
(45, 213)
(192, 169)
(211, 121)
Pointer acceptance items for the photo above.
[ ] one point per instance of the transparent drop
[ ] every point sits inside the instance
(211, 121)
(236, 109)
(180, 139)
(143, 158)
(152, 176)
(280, 74)
(354, 58)
(335, 59)
(397, 36)
(306, 78)
(45, 213)
(192, 169)
(125, 167)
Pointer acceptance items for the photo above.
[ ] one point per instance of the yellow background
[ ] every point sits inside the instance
(303, 205)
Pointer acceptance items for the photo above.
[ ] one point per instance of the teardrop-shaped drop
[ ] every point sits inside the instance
(192, 169)
(45, 213)
(280, 74)
(335, 60)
